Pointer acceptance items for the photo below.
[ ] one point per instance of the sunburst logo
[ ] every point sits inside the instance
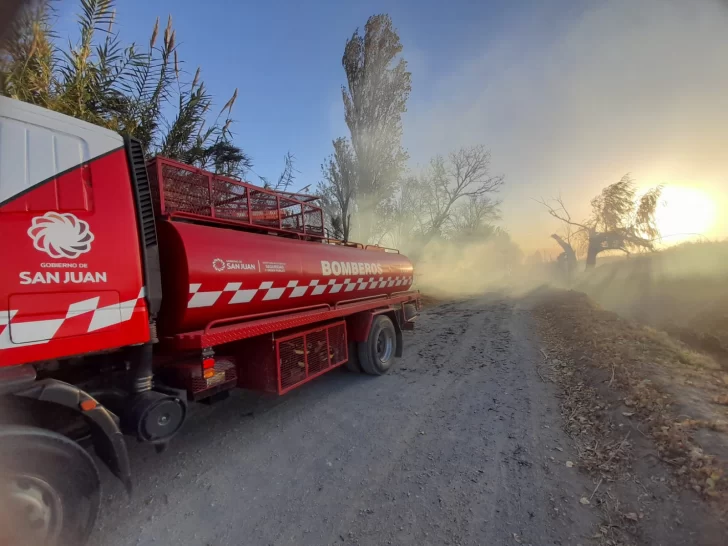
(60, 235)
(218, 264)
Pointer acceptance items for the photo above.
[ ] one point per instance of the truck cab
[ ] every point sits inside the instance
(72, 281)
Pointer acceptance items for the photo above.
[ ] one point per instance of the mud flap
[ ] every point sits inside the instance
(107, 438)
(358, 326)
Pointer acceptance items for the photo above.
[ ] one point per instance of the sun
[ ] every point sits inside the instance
(683, 213)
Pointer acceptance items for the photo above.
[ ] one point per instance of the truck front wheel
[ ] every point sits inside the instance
(376, 354)
(49, 488)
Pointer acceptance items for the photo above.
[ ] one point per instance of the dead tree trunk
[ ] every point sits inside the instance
(596, 241)
(570, 256)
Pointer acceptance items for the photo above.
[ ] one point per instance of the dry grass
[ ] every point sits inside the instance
(684, 354)
(604, 450)
(622, 381)
(681, 290)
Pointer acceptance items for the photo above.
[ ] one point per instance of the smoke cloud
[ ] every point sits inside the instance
(571, 103)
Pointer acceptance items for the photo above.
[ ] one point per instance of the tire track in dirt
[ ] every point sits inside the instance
(479, 472)
(454, 446)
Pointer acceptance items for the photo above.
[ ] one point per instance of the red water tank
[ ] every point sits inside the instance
(211, 273)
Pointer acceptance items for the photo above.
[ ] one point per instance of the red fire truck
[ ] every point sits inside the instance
(130, 288)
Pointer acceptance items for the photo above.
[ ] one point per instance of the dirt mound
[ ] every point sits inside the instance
(628, 385)
(681, 290)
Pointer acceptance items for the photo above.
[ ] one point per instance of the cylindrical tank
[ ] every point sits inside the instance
(211, 273)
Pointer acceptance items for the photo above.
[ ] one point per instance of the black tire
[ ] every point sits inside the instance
(49, 489)
(377, 353)
(352, 364)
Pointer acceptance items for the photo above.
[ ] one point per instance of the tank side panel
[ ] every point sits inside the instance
(175, 279)
(234, 273)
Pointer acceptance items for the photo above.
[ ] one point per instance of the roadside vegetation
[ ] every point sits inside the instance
(144, 90)
(681, 290)
(633, 397)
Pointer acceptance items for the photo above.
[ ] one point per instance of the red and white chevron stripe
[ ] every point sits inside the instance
(292, 289)
(94, 318)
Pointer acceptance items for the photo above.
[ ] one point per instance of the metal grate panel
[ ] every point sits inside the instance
(337, 344)
(184, 190)
(292, 361)
(292, 216)
(317, 351)
(313, 219)
(306, 354)
(230, 200)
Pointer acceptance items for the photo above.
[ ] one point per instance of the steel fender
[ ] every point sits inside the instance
(107, 438)
(359, 325)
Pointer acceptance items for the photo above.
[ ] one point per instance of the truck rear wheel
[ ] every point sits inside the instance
(376, 354)
(49, 489)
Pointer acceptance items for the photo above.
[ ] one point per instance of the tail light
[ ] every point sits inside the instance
(201, 381)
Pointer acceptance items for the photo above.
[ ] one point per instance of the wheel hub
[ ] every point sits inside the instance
(385, 346)
(35, 508)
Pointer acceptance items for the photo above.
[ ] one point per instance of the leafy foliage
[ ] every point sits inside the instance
(364, 184)
(375, 97)
(123, 88)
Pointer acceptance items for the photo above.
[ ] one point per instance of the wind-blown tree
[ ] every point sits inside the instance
(124, 88)
(375, 97)
(618, 221)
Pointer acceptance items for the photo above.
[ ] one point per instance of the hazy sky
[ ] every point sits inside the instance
(570, 106)
(569, 96)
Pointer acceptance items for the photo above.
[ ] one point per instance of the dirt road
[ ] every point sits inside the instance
(461, 444)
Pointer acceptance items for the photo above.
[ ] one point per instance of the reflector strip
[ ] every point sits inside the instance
(292, 289)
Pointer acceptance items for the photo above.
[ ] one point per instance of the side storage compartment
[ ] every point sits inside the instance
(281, 362)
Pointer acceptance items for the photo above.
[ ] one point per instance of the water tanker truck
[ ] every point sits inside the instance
(131, 288)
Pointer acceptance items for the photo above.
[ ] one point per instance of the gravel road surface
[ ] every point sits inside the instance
(460, 444)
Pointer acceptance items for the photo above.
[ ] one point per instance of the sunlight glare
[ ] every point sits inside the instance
(684, 212)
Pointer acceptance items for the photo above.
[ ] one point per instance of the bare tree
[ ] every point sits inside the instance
(378, 85)
(618, 220)
(338, 188)
(401, 218)
(569, 236)
(474, 217)
(466, 174)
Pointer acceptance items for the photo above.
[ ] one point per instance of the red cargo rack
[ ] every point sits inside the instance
(183, 191)
(286, 362)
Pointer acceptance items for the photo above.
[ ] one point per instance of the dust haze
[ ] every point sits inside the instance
(570, 99)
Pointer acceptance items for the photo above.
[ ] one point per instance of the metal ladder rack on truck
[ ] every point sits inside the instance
(130, 288)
